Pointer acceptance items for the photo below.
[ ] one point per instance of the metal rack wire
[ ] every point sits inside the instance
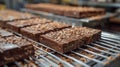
(102, 53)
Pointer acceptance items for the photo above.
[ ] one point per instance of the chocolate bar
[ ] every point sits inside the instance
(11, 15)
(14, 48)
(70, 11)
(69, 39)
(17, 25)
(35, 31)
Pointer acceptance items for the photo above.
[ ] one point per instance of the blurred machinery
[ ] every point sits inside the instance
(14, 4)
(110, 5)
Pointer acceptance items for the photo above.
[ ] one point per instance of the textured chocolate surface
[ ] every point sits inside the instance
(70, 11)
(36, 30)
(72, 34)
(11, 15)
(14, 48)
(89, 33)
(69, 39)
(17, 25)
(65, 36)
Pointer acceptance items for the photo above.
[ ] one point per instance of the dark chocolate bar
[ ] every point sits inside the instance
(11, 15)
(69, 39)
(17, 25)
(14, 48)
(34, 31)
(70, 11)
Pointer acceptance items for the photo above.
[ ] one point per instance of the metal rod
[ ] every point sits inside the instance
(111, 40)
(101, 50)
(87, 57)
(41, 62)
(61, 60)
(49, 61)
(93, 53)
(105, 48)
(57, 58)
(117, 45)
(108, 45)
(78, 61)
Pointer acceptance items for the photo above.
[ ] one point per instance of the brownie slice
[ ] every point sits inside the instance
(73, 12)
(17, 25)
(63, 41)
(70, 11)
(68, 39)
(82, 12)
(35, 31)
(90, 34)
(11, 15)
(14, 48)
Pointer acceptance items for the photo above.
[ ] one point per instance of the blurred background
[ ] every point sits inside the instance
(111, 6)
